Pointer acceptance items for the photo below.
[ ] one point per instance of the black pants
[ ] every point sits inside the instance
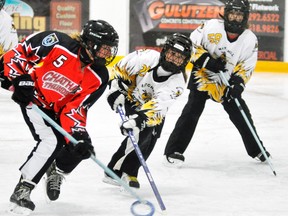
(125, 158)
(67, 160)
(187, 122)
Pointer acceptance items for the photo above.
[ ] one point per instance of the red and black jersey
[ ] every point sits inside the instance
(61, 82)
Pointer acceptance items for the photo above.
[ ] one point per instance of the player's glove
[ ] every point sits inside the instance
(23, 89)
(235, 89)
(134, 123)
(84, 147)
(210, 63)
(115, 98)
(117, 93)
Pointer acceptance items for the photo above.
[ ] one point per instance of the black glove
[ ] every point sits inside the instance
(210, 63)
(235, 89)
(23, 89)
(134, 123)
(115, 98)
(117, 93)
(84, 148)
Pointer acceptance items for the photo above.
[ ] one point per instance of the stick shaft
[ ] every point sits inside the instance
(143, 162)
(93, 157)
(249, 125)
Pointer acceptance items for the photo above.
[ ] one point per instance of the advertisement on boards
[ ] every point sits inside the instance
(267, 22)
(32, 16)
(151, 21)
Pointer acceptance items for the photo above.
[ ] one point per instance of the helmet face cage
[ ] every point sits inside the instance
(2, 3)
(95, 35)
(180, 44)
(236, 5)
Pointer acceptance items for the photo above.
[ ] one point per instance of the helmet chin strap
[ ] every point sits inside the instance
(84, 57)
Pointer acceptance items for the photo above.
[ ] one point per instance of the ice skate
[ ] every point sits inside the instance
(53, 182)
(131, 181)
(175, 159)
(20, 202)
(109, 180)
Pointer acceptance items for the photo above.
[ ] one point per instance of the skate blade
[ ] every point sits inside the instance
(173, 164)
(14, 209)
(48, 201)
(110, 181)
(124, 192)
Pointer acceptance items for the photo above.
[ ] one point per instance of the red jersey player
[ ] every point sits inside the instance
(64, 75)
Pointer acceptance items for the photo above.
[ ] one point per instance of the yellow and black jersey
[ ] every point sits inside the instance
(152, 89)
(8, 33)
(240, 55)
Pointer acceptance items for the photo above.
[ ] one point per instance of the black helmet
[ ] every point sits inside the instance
(181, 44)
(2, 3)
(237, 5)
(96, 33)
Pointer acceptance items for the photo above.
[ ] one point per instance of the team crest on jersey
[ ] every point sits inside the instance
(146, 96)
(50, 40)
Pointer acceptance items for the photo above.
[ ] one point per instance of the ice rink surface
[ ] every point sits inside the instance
(218, 178)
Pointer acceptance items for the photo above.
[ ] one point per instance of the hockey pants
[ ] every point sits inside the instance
(49, 143)
(50, 146)
(125, 158)
(187, 122)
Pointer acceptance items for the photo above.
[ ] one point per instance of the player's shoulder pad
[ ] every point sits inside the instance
(250, 38)
(147, 57)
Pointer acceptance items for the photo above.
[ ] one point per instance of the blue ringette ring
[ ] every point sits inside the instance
(145, 202)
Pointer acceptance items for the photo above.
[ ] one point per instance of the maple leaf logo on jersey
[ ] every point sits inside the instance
(28, 53)
(20, 62)
(16, 66)
(79, 118)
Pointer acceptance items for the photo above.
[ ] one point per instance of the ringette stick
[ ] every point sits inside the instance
(93, 157)
(142, 161)
(249, 125)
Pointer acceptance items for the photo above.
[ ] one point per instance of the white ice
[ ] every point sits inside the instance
(217, 179)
